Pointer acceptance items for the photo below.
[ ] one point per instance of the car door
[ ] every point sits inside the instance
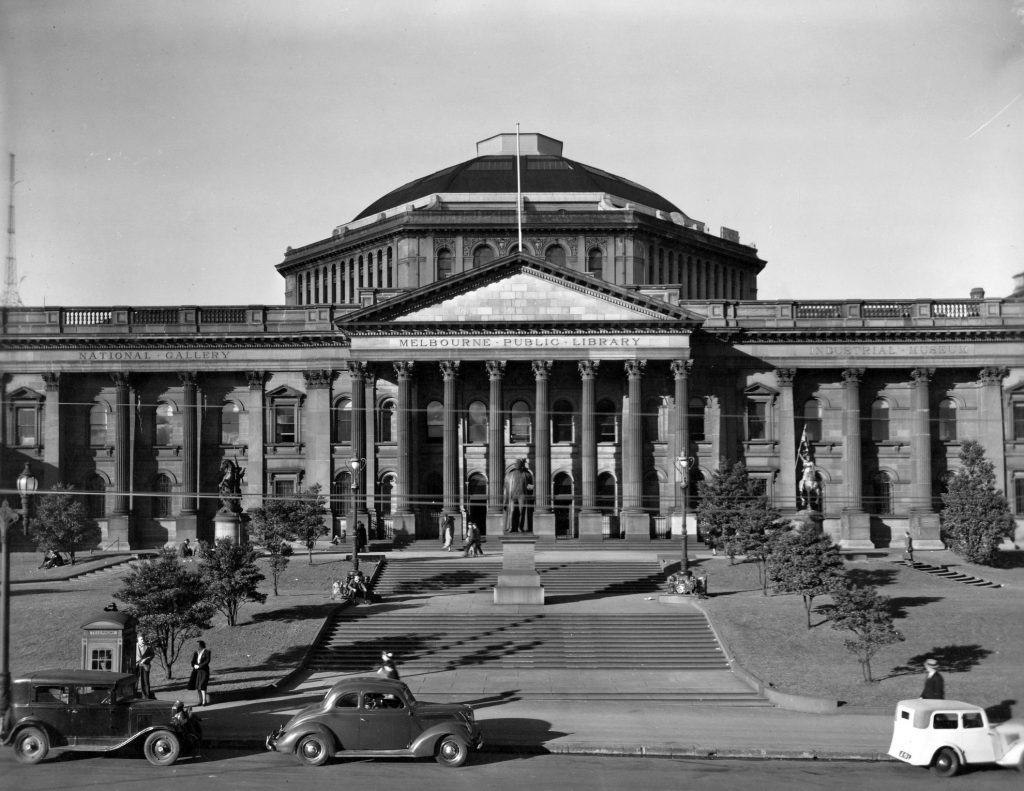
(91, 714)
(976, 740)
(344, 719)
(385, 723)
(51, 703)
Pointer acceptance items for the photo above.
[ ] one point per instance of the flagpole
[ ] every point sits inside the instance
(519, 192)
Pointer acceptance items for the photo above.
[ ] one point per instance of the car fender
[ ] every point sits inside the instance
(423, 746)
(955, 748)
(1014, 756)
(31, 722)
(289, 739)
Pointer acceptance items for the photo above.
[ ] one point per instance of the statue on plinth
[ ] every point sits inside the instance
(518, 486)
(808, 487)
(230, 487)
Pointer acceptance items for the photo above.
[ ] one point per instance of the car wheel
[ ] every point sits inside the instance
(313, 750)
(161, 748)
(946, 763)
(31, 746)
(452, 751)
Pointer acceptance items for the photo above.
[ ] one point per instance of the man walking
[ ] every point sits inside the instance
(934, 686)
(143, 663)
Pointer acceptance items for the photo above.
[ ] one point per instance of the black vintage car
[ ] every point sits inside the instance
(88, 710)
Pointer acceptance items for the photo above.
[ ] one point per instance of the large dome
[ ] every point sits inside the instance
(544, 170)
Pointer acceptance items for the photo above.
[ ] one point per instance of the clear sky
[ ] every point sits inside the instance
(168, 151)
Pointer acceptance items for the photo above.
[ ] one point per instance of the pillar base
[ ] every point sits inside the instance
(403, 526)
(591, 527)
(518, 582)
(925, 530)
(544, 526)
(855, 530)
(495, 523)
(226, 524)
(636, 526)
(119, 532)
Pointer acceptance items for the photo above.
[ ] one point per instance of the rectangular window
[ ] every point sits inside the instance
(1018, 420)
(284, 486)
(1018, 495)
(101, 659)
(25, 426)
(756, 423)
(284, 424)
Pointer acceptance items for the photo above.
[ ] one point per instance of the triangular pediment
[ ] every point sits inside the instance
(519, 290)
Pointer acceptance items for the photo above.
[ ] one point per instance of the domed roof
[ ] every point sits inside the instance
(543, 169)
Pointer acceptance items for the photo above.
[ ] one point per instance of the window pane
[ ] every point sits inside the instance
(478, 422)
(1018, 420)
(561, 419)
(555, 254)
(164, 424)
(162, 504)
(605, 421)
(520, 422)
(386, 422)
(695, 420)
(98, 426)
(25, 426)
(284, 487)
(947, 420)
(812, 420)
(482, 255)
(229, 424)
(435, 420)
(595, 262)
(284, 423)
(756, 420)
(880, 420)
(444, 264)
(1018, 495)
(343, 422)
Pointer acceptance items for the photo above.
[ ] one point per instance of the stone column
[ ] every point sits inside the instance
(681, 436)
(495, 449)
(591, 529)
(637, 524)
(119, 523)
(187, 520)
(316, 428)
(52, 471)
(924, 522)
(450, 443)
(543, 516)
(787, 441)
(855, 524)
(990, 423)
(254, 472)
(404, 518)
(357, 374)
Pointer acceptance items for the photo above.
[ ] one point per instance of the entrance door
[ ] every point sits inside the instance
(478, 501)
(562, 502)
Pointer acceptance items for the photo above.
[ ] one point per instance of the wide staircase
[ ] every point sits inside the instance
(663, 644)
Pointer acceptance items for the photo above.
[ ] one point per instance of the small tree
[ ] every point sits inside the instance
(310, 510)
(169, 602)
(280, 520)
(62, 522)
(231, 576)
(869, 616)
(733, 512)
(977, 516)
(805, 562)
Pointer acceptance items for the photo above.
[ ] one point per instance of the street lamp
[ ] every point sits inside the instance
(8, 516)
(684, 464)
(355, 464)
(27, 484)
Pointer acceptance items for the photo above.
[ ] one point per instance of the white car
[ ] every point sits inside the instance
(946, 734)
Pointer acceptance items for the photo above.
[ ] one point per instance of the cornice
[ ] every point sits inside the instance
(128, 341)
(741, 335)
(383, 328)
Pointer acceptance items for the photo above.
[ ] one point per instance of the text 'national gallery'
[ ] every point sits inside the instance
(427, 347)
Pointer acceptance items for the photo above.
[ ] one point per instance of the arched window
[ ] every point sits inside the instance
(477, 421)
(387, 429)
(880, 499)
(595, 262)
(947, 420)
(880, 420)
(519, 422)
(607, 420)
(162, 499)
(695, 419)
(166, 424)
(482, 255)
(316, 287)
(98, 417)
(555, 254)
(379, 282)
(95, 499)
(342, 421)
(444, 263)
(606, 493)
(309, 288)
(387, 494)
(651, 420)
(477, 492)
(561, 421)
(298, 289)
(435, 421)
(334, 282)
(341, 494)
(812, 419)
(229, 423)
(391, 269)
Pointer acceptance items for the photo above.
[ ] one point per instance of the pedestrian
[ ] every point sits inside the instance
(143, 664)
(908, 552)
(335, 590)
(473, 541)
(360, 537)
(200, 676)
(934, 686)
(448, 532)
(186, 551)
(387, 667)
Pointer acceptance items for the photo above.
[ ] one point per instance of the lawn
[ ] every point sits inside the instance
(977, 634)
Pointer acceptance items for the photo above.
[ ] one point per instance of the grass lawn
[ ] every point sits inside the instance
(977, 634)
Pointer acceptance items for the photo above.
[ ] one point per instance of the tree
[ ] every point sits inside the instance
(230, 575)
(169, 602)
(869, 616)
(62, 522)
(806, 562)
(976, 518)
(734, 512)
(280, 520)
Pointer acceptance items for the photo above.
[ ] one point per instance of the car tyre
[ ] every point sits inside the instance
(452, 751)
(161, 748)
(946, 763)
(313, 750)
(31, 745)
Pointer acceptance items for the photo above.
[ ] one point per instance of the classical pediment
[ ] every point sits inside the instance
(517, 291)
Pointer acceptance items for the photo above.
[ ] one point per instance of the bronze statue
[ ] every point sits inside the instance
(518, 485)
(230, 488)
(809, 488)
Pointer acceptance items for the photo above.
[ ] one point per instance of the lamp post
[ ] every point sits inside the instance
(684, 464)
(355, 464)
(27, 484)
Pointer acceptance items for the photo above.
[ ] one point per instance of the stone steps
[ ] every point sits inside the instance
(946, 573)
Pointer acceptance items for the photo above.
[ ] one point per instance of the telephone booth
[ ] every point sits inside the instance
(108, 643)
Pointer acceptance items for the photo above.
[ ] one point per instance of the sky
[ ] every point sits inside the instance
(169, 151)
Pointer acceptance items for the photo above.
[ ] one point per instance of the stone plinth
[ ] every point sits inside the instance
(227, 524)
(924, 530)
(518, 582)
(855, 530)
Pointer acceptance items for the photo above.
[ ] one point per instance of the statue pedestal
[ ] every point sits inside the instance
(855, 530)
(227, 524)
(924, 529)
(518, 582)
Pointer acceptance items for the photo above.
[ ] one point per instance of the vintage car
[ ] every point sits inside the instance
(87, 710)
(946, 734)
(367, 716)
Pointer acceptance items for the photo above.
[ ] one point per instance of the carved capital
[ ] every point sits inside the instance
(993, 376)
(122, 380)
(588, 368)
(785, 376)
(681, 369)
(449, 369)
(256, 379)
(635, 368)
(318, 378)
(403, 369)
(852, 376)
(52, 381)
(541, 369)
(357, 371)
(495, 369)
(188, 378)
(922, 376)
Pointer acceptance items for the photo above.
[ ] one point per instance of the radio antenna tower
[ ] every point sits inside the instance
(11, 298)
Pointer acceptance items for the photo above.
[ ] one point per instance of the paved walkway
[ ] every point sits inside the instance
(541, 710)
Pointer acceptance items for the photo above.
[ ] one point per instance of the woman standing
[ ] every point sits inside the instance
(200, 677)
(448, 532)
